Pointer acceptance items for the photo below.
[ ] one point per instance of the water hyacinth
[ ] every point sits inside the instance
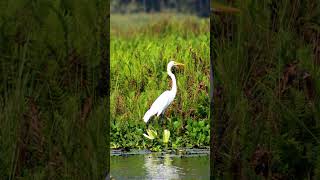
(151, 134)
(166, 136)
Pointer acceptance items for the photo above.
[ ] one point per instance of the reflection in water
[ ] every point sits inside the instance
(161, 167)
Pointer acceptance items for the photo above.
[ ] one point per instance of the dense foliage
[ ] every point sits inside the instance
(267, 86)
(52, 110)
(139, 56)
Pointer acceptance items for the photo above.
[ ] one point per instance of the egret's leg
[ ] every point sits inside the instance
(162, 120)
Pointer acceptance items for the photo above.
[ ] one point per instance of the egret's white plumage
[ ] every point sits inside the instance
(165, 99)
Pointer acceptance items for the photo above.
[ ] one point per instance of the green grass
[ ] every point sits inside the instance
(267, 109)
(139, 56)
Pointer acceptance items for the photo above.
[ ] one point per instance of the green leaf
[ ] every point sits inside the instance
(201, 124)
(176, 124)
(166, 136)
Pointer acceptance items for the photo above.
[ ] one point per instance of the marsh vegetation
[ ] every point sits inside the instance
(141, 46)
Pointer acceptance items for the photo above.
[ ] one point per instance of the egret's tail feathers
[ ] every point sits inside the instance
(147, 116)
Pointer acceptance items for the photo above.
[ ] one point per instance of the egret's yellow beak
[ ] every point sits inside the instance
(178, 64)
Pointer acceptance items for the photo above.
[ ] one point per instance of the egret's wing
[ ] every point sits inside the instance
(161, 103)
(158, 106)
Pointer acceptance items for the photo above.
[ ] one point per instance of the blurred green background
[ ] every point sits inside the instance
(266, 74)
(195, 7)
(53, 93)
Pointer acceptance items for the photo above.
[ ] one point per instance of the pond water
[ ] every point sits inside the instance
(192, 164)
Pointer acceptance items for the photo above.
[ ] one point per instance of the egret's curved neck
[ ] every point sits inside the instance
(173, 78)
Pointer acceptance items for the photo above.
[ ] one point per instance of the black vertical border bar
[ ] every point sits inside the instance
(212, 139)
(211, 101)
(104, 81)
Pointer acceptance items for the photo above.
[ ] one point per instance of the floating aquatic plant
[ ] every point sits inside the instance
(151, 134)
(166, 136)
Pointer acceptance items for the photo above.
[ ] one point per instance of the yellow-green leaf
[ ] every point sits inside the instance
(166, 136)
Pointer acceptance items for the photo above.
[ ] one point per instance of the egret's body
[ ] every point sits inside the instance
(165, 99)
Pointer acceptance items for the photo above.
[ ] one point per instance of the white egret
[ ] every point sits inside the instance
(165, 99)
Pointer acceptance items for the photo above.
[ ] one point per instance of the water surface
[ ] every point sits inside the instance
(143, 165)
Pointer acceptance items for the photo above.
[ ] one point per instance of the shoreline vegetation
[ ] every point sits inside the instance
(141, 46)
